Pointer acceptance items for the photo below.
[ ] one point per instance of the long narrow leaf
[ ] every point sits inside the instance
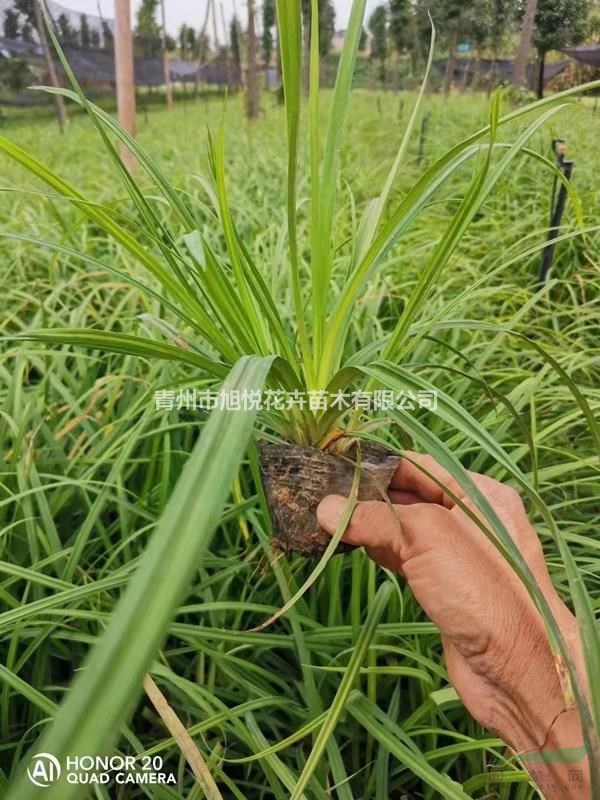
(339, 702)
(105, 691)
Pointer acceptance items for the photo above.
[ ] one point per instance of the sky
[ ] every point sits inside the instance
(192, 11)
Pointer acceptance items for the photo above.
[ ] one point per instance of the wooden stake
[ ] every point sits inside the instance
(165, 56)
(124, 76)
(59, 103)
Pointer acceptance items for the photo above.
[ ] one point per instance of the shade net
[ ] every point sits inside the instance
(585, 53)
(500, 69)
(94, 65)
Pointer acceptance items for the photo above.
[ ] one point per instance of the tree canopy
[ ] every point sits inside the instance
(559, 23)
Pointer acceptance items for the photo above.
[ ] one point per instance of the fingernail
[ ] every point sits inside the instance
(330, 510)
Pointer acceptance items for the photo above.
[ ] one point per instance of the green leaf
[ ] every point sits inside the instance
(322, 243)
(390, 736)
(105, 690)
(289, 21)
(340, 700)
(125, 343)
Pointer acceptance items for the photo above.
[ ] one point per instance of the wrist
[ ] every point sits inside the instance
(530, 695)
(545, 734)
(561, 767)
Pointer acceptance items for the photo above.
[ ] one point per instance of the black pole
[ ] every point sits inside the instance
(560, 150)
(548, 251)
(540, 86)
(423, 133)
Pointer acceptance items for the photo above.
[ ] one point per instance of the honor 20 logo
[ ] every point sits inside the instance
(44, 770)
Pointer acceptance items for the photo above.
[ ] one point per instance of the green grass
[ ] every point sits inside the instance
(90, 467)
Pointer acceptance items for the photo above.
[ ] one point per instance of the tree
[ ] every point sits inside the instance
(326, 31)
(188, 42)
(33, 13)
(593, 22)
(147, 30)
(450, 20)
(267, 34)
(525, 37)
(15, 73)
(402, 30)
(107, 36)
(25, 8)
(11, 24)
(167, 44)
(558, 24)
(252, 100)
(95, 39)
(235, 36)
(182, 39)
(503, 16)
(66, 33)
(379, 42)
(85, 36)
(192, 42)
(363, 41)
(203, 47)
(485, 26)
(402, 33)
(27, 31)
(326, 26)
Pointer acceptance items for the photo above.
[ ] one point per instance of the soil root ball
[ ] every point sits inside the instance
(297, 477)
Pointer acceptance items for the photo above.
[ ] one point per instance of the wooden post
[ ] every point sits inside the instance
(252, 78)
(124, 76)
(165, 57)
(59, 103)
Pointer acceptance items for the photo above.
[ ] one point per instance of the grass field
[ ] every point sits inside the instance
(89, 464)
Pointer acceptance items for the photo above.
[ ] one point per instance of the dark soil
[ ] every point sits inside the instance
(297, 477)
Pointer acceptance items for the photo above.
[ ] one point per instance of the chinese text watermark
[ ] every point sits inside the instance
(279, 400)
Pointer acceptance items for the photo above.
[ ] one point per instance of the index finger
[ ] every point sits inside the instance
(412, 476)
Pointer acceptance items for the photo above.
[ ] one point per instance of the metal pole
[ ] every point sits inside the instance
(125, 76)
(422, 135)
(557, 213)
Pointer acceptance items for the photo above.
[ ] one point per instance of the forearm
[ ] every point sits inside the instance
(561, 767)
(547, 737)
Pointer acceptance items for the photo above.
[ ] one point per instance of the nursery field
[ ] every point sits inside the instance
(345, 695)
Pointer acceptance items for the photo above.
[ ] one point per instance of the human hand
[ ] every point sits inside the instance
(494, 639)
